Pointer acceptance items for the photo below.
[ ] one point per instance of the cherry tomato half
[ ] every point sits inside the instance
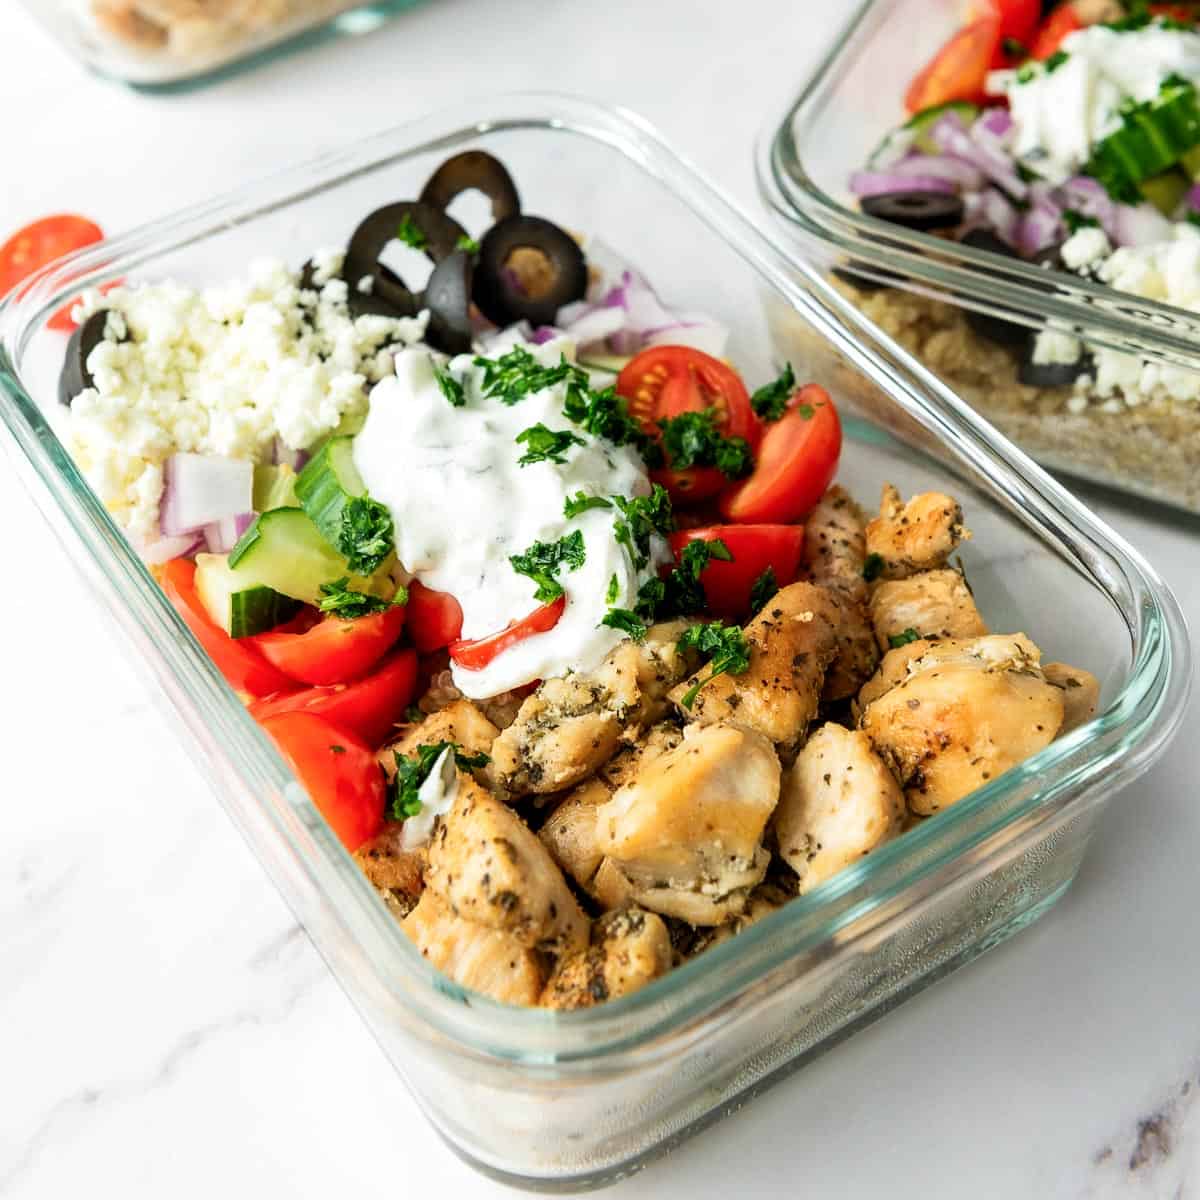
(1019, 19)
(959, 69)
(727, 585)
(1058, 25)
(369, 708)
(333, 650)
(41, 242)
(243, 666)
(475, 655)
(434, 618)
(338, 771)
(666, 381)
(796, 463)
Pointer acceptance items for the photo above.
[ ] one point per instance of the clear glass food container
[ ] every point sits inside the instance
(577, 1099)
(181, 43)
(918, 286)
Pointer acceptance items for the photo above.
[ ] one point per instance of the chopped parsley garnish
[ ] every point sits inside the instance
(1013, 49)
(765, 586)
(1026, 73)
(411, 234)
(468, 243)
(543, 561)
(413, 770)
(727, 650)
(606, 415)
(546, 445)
(625, 622)
(614, 590)
(641, 517)
(683, 592)
(450, 387)
(873, 567)
(344, 602)
(1056, 60)
(517, 374)
(580, 503)
(1193, 218)
(692, 439)
(365, 537)
(413, 715)
(770, 401)
(1075, 221)
(896, 640)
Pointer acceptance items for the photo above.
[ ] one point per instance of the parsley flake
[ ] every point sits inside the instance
(365, 537)
(770, 401)
(627, 622)
(606, 415)
(765, 586)
(342, 601)
(543, 561)
(411, 234)
(896, 640)
(413, 770)
(641, 517)
(683, 591)
(468, 243)
(692, 439)
(873, 567)
(727, 650)
(517, 374)
(450, 387)
(1075, 221)
(614, 590)
(581, 502)
(546, 445)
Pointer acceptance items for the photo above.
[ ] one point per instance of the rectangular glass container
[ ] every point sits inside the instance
(916, 286)
(570, 1100)
(151, 44)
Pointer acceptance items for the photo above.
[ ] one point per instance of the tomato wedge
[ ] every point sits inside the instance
(796, 463)
(41, 242)
(1058, 25)
(960, 67)
(333, 650)
(728, 585)
(477, 654)
(1174, 12)
(338, 771)
(664, 382)
(244, 668)
(1019, 19)
(369, 708)
(434, 618)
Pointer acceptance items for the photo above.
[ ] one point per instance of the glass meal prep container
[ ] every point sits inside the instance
(155, 43)
(917, 286)
(577, 1099)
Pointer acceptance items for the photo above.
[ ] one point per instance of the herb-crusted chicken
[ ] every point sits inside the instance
(930, 604)
(919, 535)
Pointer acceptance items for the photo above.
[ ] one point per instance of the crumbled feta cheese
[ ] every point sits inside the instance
(365, 285)
(1052, 346)
(1084, 247)
(224, 370)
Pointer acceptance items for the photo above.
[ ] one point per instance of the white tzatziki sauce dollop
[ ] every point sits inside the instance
(437, 794)
(463, 504)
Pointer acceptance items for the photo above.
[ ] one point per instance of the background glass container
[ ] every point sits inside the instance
(917, 285)
(559, 1100)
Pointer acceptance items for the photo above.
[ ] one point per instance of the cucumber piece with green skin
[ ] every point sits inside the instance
(329, 481)
(240, 610)
(274, 487)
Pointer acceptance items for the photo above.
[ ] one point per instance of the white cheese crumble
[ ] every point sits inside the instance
(1085, 247)
(224, 370)
(1054, 347)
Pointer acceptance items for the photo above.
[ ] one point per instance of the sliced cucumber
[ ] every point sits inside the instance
(240, 610)
(924, 121)
(327, 484)
(274, 487)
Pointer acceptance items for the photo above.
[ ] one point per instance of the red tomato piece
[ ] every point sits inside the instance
(1061, 22)
(475, 655)
(796, 463)
(333, 650)
(338, 771)
(727, 585)
(243, 666)
(666, 381)
(370, 707)
(1019, 19)
(1174, 12)
(434, 618)
(41, 242)
(959, 69)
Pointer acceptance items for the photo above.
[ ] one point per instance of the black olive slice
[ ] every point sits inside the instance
(389, 295)
(473, 170)
(75, 376)
(528, 269)
(448, 298)
(921, 211)
(995, 329)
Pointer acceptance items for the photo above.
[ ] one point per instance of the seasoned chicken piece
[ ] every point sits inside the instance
(791, 641)
(629, 948)
(931, 604)
(460, 722)
(490, 961)
(396, 873)
(569, 726)
(835, 551)
(1081, 694)
(570, 832)
(686, 832)
(958, 714)
(763, 901)
(837, 802)
(917, 536)
(491, 869)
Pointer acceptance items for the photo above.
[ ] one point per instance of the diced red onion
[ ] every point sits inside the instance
(992, 210)
(1038, 228)
(982, 151)
(221, 536)
(997, 121)
(163, 549)
(200, 489)
(941, 166)
(1087, 196)
(1141, 225)
(1193, 198)
(545, 333)
(882, 183)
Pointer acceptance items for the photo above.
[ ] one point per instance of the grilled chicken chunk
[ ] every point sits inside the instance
(397, 874)
(492, 870)
(835, 552)
(792, 641)
(569, 726)
(460, 722)
(949, 716)
(932, 604)
(1081, 694)
(686, 833)
(837, 802)
(917, 536)
(490, 961)
(629, 948)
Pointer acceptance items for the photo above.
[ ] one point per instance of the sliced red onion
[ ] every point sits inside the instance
(200, 489)
(996, 121)
(1141, 225)
(882, 183)
(993, 210)
(941, 166)
(163, 549)
(980, 150)
(1087, 196)
(544, 333)
(1193, 198)
(595, 326)
(1039, 228)
(221, 536)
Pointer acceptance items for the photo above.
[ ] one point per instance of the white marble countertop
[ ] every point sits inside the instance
(167, 1030)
